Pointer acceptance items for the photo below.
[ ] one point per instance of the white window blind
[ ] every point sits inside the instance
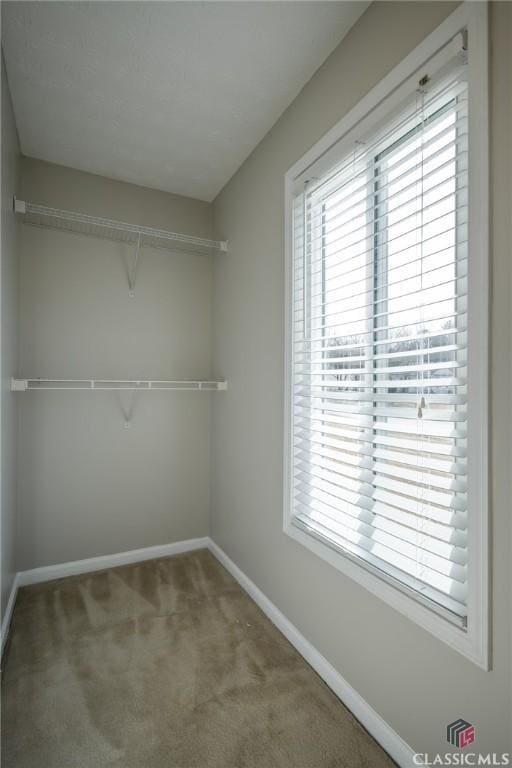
(379, 348)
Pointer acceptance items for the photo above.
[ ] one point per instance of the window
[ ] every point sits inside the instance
(383, 401)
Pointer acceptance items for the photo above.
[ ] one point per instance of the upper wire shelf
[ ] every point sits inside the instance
(110, 229)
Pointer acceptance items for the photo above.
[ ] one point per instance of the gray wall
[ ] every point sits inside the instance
(415, 682)
(8, 278)
(86, 485)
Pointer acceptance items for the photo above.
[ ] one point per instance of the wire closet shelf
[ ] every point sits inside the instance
(110, 229)
(116, 385)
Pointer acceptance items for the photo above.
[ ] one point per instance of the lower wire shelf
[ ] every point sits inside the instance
(23, 385)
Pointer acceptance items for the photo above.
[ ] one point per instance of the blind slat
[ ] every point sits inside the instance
(362, 193)
(348, 223)
(322, 336)
(450, 575)
(402, 457)
(441, 554)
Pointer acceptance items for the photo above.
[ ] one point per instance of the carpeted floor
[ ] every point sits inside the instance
(165, 664)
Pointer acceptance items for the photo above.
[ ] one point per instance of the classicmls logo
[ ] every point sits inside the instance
(460, 733)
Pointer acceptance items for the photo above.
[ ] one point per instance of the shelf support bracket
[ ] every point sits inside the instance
(132, 270)
(129, 409)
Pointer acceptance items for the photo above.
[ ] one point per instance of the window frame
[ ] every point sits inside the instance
(472, 641)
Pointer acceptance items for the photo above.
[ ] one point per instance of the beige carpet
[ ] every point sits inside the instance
(165, 664)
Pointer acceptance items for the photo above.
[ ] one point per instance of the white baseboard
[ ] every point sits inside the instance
(49, 572)
(6, 622)
(389, 740)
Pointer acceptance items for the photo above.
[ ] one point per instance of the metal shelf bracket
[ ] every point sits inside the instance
(129, 409)
(132, 269)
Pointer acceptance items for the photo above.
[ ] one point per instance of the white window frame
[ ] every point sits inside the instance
(472, 641)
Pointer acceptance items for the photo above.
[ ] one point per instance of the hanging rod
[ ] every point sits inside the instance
(22, 385)
(110, 229)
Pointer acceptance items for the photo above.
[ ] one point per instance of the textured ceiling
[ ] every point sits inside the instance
(170, 95)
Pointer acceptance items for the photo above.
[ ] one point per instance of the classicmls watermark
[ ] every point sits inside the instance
(461, 759)
(461, 734)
